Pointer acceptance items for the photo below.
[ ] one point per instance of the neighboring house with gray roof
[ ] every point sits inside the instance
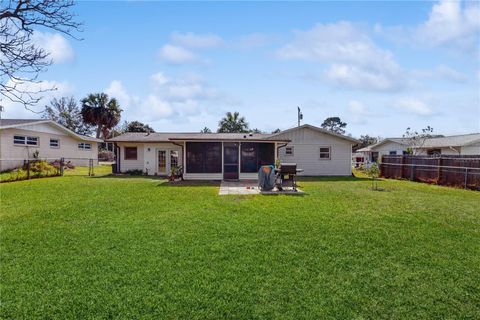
(21, 138)
(465, 144)
(217, 156)
(388, 146)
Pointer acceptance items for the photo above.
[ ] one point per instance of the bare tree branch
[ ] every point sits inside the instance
(21, 59)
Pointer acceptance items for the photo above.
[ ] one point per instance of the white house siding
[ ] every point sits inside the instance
(473, 149)
(151, 159)
(307, 142)
(390, 146)
(138, 164)
(12, 155)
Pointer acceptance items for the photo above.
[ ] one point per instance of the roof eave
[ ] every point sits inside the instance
(231, 139)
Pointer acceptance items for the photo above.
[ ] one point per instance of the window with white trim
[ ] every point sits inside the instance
(325, 153)
(54, 143)
(25, 141)
(289, 151)
(84, 146)
(393, 153)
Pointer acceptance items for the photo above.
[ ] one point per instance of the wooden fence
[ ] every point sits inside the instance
(457, 171)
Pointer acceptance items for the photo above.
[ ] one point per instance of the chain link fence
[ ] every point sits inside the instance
(34, 168)
(455, 171)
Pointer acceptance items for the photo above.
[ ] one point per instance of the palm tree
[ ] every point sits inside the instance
(233, 123)
(100, 111)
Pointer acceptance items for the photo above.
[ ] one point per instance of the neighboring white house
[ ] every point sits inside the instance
(388, 146)
(465, 144)
(217, 156)
(317, 151)
(21, 138)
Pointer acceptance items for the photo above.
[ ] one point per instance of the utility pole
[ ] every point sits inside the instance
(299, 115)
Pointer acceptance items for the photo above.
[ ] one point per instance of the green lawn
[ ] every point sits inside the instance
(111, 247)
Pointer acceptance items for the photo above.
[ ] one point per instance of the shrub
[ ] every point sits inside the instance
(134, 172)
(373, 171)
(41, 168)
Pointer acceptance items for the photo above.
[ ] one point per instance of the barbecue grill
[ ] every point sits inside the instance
(286, 176)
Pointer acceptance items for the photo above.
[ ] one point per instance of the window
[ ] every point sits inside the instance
(130, 153)
(434, 152)
(289, 151)
(255, 155)
(325, 153)
(204, 157)
(23, 140)
(393, 153)
(173, 159)
(54, 143)
(84, 146)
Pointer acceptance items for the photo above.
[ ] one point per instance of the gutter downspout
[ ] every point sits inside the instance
(453, 149)
(278, 148)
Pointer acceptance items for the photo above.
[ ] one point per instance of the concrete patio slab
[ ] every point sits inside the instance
(250, 187)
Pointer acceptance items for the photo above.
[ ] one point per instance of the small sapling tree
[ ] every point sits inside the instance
(373, 171)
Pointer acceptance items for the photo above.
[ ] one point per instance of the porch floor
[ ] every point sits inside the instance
(250, 187)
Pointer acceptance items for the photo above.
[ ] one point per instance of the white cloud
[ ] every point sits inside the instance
(451, 24)
(192, 40)
(451, 74)
(415, 106)
(176, 54)
(56, 45)
(441, 72)
(18, 110)
(358, 112)
(116, 90)
(156, 108)
(253, 40)
(177, 98)
(159, 79)
(353, 58)
(355, 77)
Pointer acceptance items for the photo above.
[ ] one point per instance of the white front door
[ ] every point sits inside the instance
(162, 164)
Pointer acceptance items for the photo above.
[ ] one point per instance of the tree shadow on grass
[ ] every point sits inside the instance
(190, 183)
(128, 176)
(332, 179)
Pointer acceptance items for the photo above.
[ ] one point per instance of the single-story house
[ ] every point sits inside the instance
(217, 156)
(388, 146)
(465, 144)
(317, 151)
(21, 138)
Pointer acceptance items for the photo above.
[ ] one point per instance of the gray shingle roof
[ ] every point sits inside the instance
(452, 141)
(14, 122)
(175, 136)
(403, 141)
(442, 142)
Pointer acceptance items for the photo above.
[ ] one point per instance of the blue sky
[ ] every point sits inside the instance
(179, 66)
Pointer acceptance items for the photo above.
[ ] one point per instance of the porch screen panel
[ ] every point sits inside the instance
(248, 162)
(255, 155)
(266, 154)
(204, 157)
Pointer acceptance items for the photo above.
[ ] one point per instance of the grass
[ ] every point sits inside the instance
(20, 174)
(133, 247)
